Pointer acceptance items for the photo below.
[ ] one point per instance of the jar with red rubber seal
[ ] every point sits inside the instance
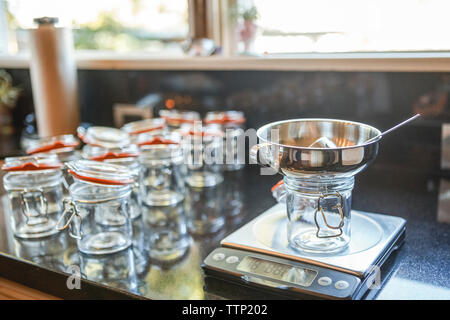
(63, 146)
(163, 170)
(124, 156)
(153, 126)
(203, 154)
(232, 124)
(97, 212)
(176, 118)
(104, 137)
(34, 188)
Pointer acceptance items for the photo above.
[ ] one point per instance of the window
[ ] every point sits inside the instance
(105, 25)
(249, 27)
(286, 26)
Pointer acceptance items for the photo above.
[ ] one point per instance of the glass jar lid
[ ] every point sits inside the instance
(159, 147)
(56, 144)
(144, 126)
(100, 173)
(104, 136)
(32, 163)
(225, 117)
(208, 132)
(150, 139)
(106, 154)
(176, 117)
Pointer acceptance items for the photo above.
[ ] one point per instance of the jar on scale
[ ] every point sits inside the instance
(318, 159)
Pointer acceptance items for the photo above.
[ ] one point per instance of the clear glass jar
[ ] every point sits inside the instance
(318, 211)
(98, 212)
(104, 137)
(124, 156)
(203, 154)
(163, 170)
(34, 188)
(176, 118)
(204, 210)
(232, 124)
(166, 232)
(63, 146)
(146, 126)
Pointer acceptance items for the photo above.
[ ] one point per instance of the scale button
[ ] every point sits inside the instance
(341, 285)
(219, 256)
(232, 259)
(324, 281)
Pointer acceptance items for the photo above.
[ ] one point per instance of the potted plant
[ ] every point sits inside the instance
(8, 98)
(248, 27)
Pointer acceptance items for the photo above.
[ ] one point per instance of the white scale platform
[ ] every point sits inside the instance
(373, 236)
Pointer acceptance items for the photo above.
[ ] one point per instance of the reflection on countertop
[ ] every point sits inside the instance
(420, 269)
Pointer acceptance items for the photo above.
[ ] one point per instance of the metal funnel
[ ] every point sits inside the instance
(291, 147)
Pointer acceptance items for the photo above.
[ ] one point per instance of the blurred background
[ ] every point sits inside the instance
(160, 26)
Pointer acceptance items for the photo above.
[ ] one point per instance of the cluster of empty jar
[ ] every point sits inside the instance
(98, 191)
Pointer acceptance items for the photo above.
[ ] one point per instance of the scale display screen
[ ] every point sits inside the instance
(278, 271)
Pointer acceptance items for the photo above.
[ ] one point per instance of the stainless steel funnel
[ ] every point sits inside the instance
(286, 147)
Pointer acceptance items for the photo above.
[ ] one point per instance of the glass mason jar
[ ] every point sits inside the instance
(203, 154)
(34, 188)
(176, 118)
(104, 137)
(163, 170)
(98, 212)
(153, 126)
(123, 156)
(63, 146)
(318, 211)
(232, 123)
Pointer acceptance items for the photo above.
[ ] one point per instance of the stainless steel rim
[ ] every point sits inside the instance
(272, 124)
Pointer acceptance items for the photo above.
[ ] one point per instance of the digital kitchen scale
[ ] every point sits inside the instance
(258, 256)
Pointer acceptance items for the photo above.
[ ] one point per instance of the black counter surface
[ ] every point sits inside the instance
(421, 269)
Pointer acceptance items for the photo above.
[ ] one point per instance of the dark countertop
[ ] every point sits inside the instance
(421, 269)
